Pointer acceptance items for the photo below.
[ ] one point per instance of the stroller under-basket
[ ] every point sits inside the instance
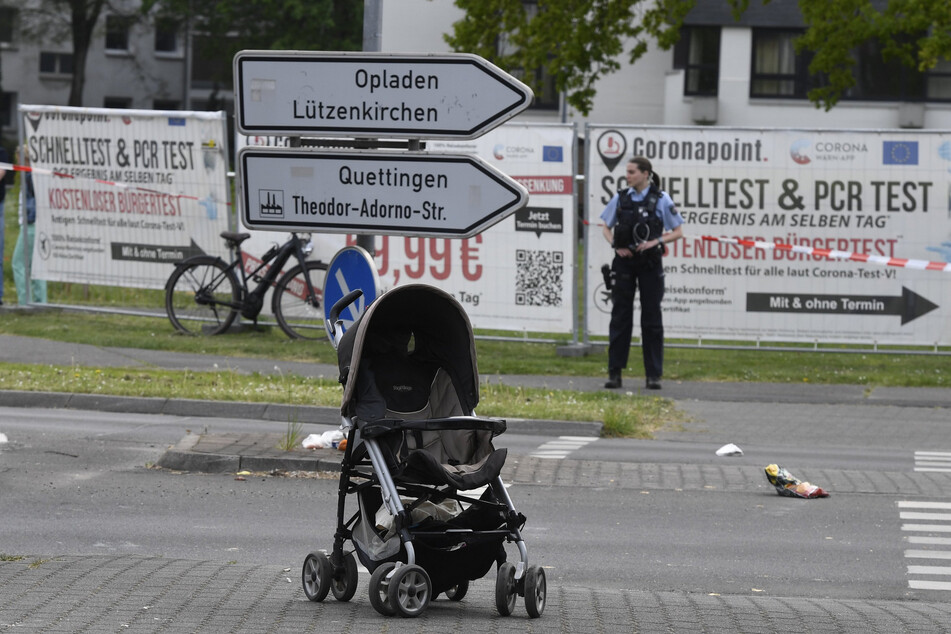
(432, 513)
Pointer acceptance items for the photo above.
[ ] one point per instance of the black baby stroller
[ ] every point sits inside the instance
(431, 512)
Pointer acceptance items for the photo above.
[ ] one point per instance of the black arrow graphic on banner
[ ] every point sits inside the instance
(909, 305)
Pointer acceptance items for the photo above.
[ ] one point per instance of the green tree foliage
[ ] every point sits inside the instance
(579, 42)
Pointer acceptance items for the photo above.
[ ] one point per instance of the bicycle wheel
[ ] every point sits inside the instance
(201, 295)
(299, 316)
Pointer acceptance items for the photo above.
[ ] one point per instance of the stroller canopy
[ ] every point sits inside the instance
(420, 321)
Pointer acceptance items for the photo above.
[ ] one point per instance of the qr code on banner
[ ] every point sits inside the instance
(538, 279)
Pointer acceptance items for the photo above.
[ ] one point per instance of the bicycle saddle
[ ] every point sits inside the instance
(232, 236)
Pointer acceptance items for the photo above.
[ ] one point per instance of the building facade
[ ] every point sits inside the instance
(722, 72)
(133, 61)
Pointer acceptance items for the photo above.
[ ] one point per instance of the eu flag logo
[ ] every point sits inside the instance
(553, 154)
(900, 152)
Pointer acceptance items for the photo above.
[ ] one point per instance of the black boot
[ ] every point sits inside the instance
(614, 380)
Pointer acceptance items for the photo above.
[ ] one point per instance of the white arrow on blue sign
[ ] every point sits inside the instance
(405, 193)
(350, 269)
(303, 93)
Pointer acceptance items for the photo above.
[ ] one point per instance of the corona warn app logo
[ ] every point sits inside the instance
(797, 151)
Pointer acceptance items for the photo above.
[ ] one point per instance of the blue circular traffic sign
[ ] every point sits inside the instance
(350, 269)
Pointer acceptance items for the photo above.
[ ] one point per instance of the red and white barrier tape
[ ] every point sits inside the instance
(40, 170)
(923, 265)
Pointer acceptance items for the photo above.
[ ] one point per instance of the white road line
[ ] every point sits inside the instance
(929, 570)
(945, 454)
(933, 469)
(916, 584)
(925, 505)
(926, 528)
(934, 517)
(938, 541)
(928, 554)
(560, 448)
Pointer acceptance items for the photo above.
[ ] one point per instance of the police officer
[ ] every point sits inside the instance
(638, 222)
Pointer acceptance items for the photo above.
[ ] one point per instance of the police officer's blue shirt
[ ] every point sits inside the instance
(665, 210)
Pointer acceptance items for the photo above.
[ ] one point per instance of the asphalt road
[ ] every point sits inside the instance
(622, 523)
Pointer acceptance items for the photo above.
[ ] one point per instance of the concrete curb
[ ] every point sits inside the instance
(316, 415)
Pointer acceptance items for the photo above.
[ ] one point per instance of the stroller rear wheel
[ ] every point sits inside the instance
(317, 576)
(379, 585)
(458, 591)
(410, 590)
(344, 581)
(505, 591)
(536, 591)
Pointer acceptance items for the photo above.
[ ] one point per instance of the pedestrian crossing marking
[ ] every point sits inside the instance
(933, 461)
(560, 448)
(915, 539)
(925, 516)
(924, 505)
(932, 545)
(928, 554)
(931, 528)
(929, 570)
(916, 584)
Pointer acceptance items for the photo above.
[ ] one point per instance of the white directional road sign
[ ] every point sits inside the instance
(300, 93)
(405, 193)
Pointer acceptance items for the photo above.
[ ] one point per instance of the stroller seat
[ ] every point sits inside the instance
(411, 405)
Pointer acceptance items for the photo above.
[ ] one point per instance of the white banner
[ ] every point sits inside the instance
(133, 192)
(517, 275)
(882, 193)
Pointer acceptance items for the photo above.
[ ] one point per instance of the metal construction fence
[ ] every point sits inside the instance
(814, 238)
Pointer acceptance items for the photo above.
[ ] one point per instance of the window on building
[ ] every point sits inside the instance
(7, 104)
(698, 54)
(8, 21)
(777, 70)
(939, 82)
(546, 95)
(878, 79)
(166, 35)
(165, 104)
(56, 63)
(117, 32)
(117, 102)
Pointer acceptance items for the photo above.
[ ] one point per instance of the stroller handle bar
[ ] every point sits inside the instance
(377, 428)
(338, 307)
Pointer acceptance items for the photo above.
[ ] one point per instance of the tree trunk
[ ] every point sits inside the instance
(84, 14)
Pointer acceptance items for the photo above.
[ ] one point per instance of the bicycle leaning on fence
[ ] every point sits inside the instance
(205, 294)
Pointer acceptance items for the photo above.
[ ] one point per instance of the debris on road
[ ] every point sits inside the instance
(326, 440)
(788, 485)
(729, 450)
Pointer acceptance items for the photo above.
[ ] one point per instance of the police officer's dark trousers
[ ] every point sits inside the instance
(631, 274)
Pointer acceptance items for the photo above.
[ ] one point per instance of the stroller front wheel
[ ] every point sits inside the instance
(379, 597)
(410, 590)
(536, 591)
(317, 576)
(505, 590)
(344, 582)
